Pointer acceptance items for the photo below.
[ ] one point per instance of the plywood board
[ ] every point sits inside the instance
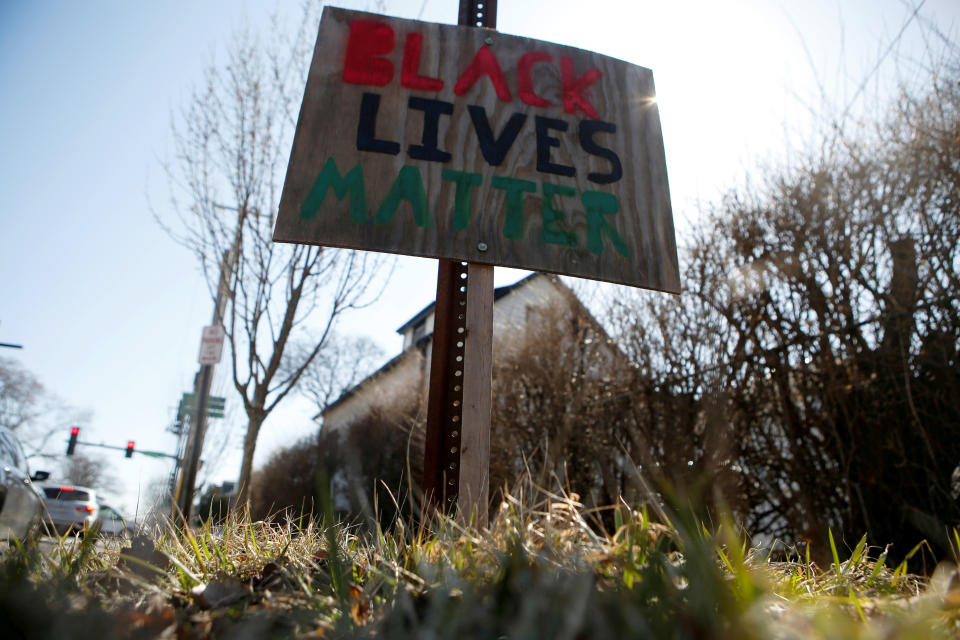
(468, 144)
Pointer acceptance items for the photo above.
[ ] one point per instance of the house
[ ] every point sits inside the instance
(404, 379)
(553, 366)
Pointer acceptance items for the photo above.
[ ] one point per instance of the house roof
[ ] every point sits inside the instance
(498, 293)
(355, 388)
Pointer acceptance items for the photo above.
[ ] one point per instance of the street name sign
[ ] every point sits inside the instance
(467, 144)
(215, 405)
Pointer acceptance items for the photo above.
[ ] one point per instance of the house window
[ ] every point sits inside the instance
(419, 330)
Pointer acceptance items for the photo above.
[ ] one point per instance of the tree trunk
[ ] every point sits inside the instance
(256, 419)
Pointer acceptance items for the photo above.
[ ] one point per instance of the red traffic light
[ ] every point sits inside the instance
(72, 442)
(129, 453)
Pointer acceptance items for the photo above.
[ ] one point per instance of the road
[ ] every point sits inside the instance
(50, 544)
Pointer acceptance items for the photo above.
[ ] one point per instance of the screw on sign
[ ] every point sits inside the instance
(211, 344)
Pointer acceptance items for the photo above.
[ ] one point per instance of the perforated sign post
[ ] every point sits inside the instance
(480, 149)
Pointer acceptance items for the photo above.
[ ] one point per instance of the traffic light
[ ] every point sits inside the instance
(72, 443)
(129, 453)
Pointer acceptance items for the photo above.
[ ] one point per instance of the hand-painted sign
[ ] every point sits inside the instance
(467, 144)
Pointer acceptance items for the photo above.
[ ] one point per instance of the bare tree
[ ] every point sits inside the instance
(28, 409)
(342, 363)
(232, 142)
(20, 395)
(85, 471)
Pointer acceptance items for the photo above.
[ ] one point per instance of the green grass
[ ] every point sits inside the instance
(540, 570)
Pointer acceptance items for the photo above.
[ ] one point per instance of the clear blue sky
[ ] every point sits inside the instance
(109, 309)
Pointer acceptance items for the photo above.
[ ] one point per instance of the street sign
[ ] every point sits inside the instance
(466, 144)
(211, 344)
(215, 405)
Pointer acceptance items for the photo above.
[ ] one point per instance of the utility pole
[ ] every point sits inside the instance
(183, 500)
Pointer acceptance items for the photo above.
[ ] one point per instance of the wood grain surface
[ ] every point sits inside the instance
(477, 397)
(623, 96)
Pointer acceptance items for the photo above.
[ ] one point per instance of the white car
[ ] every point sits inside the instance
(21, 507)
(111, 523)
(71, 509)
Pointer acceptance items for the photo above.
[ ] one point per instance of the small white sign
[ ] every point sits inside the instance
(211, 344)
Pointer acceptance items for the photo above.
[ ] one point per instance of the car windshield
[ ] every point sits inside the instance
(64, 493)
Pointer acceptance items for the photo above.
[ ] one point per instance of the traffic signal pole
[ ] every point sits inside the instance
(129, 449)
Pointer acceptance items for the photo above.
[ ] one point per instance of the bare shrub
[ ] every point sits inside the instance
(363, 469)
(819, 327)
(559, 409)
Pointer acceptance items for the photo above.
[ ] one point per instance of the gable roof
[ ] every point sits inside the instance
(348, 393)
(421, 315)
(498, 293)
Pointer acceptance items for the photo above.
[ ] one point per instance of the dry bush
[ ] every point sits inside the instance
(560, 410)
(817, 337)
(369, 459)
(288, 481)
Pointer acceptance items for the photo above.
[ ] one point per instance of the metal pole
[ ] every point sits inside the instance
(449, 370)
(441, 456)
(472, 15)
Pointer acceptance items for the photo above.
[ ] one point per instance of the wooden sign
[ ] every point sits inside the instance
(467, 144)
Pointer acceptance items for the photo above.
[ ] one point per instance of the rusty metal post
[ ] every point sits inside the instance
(441, 459)
(478, 13)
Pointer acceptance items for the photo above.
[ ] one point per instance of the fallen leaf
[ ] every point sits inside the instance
(269, 576)
(359, 607)
(219, 592)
